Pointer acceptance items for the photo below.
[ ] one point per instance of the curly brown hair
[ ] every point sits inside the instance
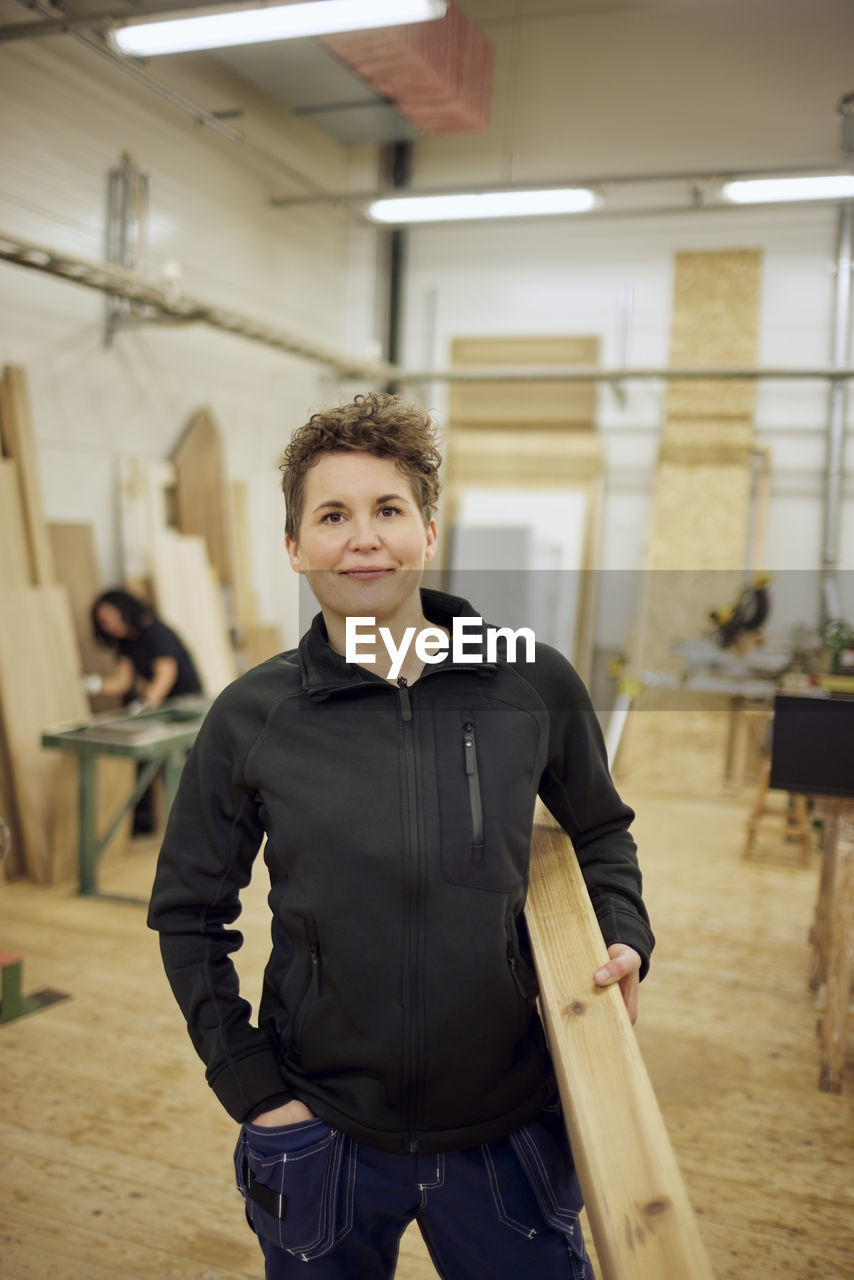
(386, 426)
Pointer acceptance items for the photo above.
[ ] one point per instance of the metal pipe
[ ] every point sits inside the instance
(600, 180)
(835, 439)
(109, 278)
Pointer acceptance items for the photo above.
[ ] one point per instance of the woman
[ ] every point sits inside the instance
(398, 1069)
(153, 662)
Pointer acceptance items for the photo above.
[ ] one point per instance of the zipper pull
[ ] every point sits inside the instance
(468, 742)
(405, 703)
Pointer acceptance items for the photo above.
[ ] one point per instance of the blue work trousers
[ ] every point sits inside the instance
(325, 1207)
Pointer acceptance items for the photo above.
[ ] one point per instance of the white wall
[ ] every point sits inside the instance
(68, 116)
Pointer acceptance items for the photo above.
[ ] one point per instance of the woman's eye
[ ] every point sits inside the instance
(333, 517)
(389, 511)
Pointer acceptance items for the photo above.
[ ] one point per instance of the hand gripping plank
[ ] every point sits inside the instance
(640, 1216)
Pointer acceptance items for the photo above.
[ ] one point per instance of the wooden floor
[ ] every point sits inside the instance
(116, 1157)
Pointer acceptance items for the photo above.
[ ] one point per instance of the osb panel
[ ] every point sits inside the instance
(522, 405)
(715, 325)
(700, 516)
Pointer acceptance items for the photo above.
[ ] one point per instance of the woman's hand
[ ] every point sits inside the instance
(289, 1113)
(623, 967)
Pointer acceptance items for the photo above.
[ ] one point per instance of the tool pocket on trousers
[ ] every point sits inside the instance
(534, 1184)
(297, 1183)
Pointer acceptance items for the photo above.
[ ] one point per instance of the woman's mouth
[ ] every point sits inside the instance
(365, 575)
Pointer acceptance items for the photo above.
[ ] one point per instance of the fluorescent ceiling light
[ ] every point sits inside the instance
(831, 186)
(489, 204)
(218, 30)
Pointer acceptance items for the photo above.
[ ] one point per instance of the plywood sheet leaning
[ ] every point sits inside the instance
(146, 508)
(14, 552)
(40, 686)
(244, 597)
(640, 1216)
(189, 599)
(202, 505)
(536, 460)
(77, 570)
(698, 547)
(523, 405)
(19, 443)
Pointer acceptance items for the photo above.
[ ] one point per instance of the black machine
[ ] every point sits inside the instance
(812, 749)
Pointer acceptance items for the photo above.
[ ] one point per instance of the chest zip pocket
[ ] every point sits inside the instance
(473, 780)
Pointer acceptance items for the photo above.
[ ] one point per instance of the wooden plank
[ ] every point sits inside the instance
(19, 443)
(839, 920)
(77, 570)
(189, 598)
(202, 503)
(146, 502)
(39, 686)
(521, 405)
(14, 552)
(259, 644)
(639, 1211)
(244, 598)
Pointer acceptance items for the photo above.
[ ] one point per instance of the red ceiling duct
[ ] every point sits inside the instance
(437, 74)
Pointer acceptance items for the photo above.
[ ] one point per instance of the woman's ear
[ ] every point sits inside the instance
(293, 553)
(432, 540)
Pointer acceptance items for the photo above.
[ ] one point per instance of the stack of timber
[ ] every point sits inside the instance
(534, 436)
(40, 663)
(699, 548)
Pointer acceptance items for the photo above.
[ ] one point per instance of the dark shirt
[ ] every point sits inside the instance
(159, 641)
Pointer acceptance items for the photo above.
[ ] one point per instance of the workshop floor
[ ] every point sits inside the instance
(117, 1157)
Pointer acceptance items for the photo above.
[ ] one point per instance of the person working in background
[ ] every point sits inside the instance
(153, 664)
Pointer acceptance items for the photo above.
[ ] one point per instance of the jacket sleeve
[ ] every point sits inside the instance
(577, 788)
(212, 837)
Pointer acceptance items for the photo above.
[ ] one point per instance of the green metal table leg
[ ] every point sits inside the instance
(87, 853)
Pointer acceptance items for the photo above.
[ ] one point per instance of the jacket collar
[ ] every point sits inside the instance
(325, 673)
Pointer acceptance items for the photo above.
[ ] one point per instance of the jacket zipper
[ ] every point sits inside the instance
(313, 990)
(412, 1046)
(475, 801)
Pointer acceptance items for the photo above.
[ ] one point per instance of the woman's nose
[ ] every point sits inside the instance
(363, 533)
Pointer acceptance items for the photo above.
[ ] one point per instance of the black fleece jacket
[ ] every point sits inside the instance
(399, 998)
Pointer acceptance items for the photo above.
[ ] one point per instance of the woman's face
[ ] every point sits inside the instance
(362, 540)
(111, 621)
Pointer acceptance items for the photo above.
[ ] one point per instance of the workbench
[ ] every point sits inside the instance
(159, 740)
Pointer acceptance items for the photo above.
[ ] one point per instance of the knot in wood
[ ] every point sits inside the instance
(575, 1008)
(655, 1208)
